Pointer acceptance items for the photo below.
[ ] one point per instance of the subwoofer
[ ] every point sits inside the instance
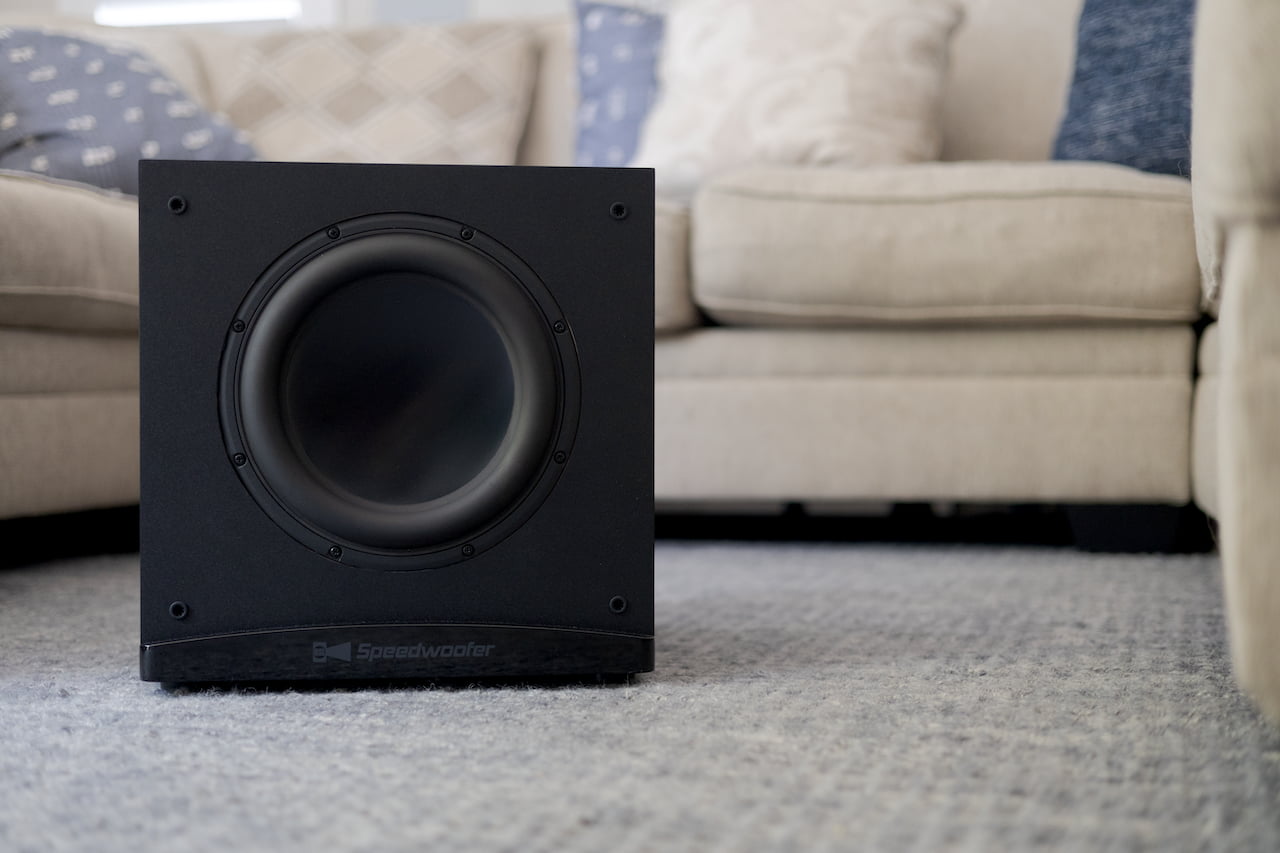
(397, 421)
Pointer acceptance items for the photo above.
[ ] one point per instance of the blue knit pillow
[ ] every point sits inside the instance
(85, 111)
(618, 49)
(1130, 99)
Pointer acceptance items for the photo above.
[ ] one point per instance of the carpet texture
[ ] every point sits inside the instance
(809, 697)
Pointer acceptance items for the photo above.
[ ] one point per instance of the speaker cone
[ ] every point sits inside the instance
(395, 389)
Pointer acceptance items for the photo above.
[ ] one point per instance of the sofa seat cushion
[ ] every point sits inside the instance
(70, 256)
(40, 361)
(945, 242)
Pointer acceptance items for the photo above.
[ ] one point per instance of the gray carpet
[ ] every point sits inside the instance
(811, 697)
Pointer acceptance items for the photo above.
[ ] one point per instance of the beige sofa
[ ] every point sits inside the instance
(992, 328)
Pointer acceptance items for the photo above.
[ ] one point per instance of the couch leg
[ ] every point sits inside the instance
(1137, 528)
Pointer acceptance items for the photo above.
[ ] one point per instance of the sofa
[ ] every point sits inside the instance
(990, 328)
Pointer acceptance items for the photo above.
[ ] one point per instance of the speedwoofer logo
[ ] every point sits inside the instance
(322, 652)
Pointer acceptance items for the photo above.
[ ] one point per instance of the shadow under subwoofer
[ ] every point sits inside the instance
(396, 421)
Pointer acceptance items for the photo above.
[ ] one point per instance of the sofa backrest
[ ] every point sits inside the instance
(1011, 66)
(551, 127)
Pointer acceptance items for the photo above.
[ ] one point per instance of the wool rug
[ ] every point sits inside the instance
(807, 696)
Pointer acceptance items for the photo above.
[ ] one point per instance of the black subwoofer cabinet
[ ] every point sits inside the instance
(397, 421)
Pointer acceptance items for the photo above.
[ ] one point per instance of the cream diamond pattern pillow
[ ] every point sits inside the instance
(849, 82)
(426, 94)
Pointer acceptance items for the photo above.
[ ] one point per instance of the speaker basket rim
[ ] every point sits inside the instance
(464, 539)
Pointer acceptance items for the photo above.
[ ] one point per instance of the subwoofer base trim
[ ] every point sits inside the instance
(421, 652)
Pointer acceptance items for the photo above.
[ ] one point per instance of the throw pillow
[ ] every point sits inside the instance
(455, 93)
(849, 82)
(618, 48)
(1130, 100)
(87, 111)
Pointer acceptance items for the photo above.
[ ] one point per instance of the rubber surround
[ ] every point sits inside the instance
(320, 508)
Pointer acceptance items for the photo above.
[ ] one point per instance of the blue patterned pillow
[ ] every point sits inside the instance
(618, 47)
(86, 111)
(1130, 100)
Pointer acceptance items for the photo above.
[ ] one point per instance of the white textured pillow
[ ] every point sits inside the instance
(851, 82)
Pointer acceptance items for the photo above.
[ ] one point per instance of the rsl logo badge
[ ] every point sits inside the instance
(322, 652)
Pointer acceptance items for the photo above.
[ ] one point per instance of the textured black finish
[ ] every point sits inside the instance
(576, 538)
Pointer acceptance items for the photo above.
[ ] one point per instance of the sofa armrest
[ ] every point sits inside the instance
(1236, 175)
(1236, 130)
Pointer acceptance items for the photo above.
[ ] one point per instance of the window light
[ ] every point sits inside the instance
(210, 12)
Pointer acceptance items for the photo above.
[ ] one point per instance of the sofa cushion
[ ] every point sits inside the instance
(417, 94)
(1010, 67)
(68, 451)
(169, 47)
(811, 81)
(549, 133)
(70, 256)
(1130, 99)
(945, 242)
(87, 111)
(618, 47)
(673, 308)
(45, 361)
(1090, 415)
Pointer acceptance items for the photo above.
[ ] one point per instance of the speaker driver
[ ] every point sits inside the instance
(391, 390)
